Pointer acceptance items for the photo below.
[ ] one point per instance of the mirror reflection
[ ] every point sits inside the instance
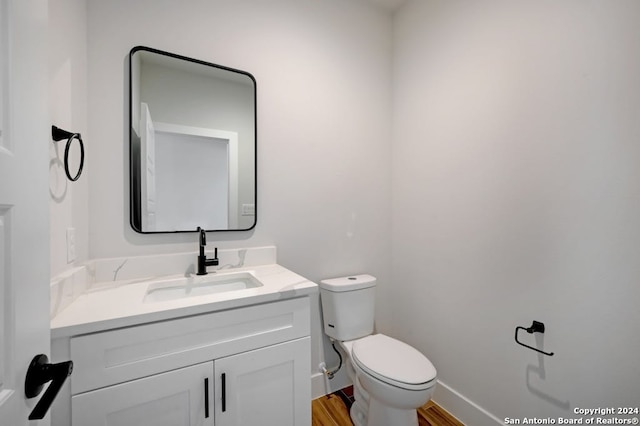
(192, 144)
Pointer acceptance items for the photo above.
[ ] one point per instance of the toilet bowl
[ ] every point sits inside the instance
(391, 379)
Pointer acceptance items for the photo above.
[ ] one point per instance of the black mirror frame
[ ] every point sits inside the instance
(135, 197)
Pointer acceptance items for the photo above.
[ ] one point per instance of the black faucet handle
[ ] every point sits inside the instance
(214, 261)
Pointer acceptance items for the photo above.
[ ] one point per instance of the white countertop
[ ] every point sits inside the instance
(121, 303)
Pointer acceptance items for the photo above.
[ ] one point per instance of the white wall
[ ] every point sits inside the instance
(323, 81)
(516, 198)
(68, 110)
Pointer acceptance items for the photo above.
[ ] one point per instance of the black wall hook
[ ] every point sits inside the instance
(536, 327)
(59, 134)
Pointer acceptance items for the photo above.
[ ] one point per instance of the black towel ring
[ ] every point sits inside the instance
(58, 134)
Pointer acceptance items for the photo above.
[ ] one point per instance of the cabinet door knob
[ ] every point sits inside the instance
(39, 373)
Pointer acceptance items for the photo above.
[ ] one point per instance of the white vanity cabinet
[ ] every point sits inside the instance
(243, 366)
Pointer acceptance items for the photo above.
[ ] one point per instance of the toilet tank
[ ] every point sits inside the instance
(348, 306)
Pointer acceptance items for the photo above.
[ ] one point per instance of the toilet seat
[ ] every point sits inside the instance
(393, 362)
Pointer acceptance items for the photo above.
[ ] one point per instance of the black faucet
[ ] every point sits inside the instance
(203, 262)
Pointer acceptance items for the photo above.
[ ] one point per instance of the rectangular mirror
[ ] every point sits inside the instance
(192, 144)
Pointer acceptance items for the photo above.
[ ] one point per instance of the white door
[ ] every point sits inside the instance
(24, 202)
(182, 397)
(268, 386)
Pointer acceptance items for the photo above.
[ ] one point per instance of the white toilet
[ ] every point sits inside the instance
(391, 379)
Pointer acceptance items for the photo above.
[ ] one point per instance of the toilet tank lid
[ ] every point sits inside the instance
(350, 283)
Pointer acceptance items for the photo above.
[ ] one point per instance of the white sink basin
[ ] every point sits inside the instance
(200, 285)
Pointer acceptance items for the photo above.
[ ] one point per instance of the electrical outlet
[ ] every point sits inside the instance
(71, 245)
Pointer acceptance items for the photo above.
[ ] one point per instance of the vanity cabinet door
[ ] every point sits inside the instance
(268, 386)
(175, 398)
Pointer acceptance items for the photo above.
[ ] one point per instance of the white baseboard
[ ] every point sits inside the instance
(318, 387)
(321, 385)
(462, 408)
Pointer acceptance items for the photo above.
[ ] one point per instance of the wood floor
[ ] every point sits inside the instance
(332, 410)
